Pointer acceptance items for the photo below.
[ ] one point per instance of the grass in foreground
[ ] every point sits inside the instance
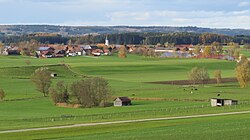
(229, 127)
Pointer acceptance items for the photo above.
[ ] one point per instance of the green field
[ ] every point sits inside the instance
(222, 127)
(245, 52)
(24, 107)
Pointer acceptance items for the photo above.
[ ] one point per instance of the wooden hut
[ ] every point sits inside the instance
(223, 102)
(122, 101)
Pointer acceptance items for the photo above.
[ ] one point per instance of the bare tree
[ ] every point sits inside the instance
(198, 75)
(122, 52)
(197, 50)
(42, 79)
(217, 47)
(2, 94)
(247, 46)
(217, 76)
(59, 93)
(1, 48)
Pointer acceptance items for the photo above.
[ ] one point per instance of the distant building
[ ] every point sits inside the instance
(106, 41)
(11, 51)
(46, 52)
(223, 102)
(122, 101)
(97, 52)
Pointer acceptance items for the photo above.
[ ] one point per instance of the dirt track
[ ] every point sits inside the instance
(120, 122)
(187, 82)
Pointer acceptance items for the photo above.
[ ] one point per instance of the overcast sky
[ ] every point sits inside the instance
(201, 13)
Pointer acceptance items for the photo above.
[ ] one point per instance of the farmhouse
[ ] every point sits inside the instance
(46, 52)
(223, 102)
(97, 52)
(183, 47)
(122, 101)
(162, 49)
(11, 50)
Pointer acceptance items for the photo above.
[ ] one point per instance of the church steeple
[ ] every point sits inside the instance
(106, 41)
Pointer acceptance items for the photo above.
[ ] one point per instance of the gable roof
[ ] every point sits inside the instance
(44, 48)
(86, 47)
(124, 99)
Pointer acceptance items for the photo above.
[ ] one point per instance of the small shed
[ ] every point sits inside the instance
(122, 101)
(223, 102)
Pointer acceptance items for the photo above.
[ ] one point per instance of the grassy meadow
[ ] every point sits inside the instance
(220, 127)
(24, 106)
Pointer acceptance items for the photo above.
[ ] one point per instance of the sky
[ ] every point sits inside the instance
(200, 13)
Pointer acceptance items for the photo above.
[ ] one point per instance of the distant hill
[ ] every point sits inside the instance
(81, 30)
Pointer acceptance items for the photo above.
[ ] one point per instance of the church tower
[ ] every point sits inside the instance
(106, 41)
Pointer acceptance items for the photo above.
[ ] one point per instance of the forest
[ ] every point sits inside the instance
(129, 38)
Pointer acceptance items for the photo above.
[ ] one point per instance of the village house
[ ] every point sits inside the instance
(106, 52)
(131, 48)
(183, 47)
(60, 53)
(122, 101)
(86, 49)
(60, 50)
(46, 52)
(97, 52)
(163, 50)
(8, 50)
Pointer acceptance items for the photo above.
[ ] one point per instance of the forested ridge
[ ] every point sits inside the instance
(129, 38)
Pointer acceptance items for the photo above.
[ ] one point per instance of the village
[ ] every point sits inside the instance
(215, 50)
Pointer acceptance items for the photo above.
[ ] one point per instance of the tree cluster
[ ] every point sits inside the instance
(198, 75)
(88, 92)
(91, 92)
(145, 51)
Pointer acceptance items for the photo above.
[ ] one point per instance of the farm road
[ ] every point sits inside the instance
(127, 121)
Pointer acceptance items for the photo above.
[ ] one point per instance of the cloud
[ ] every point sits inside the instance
(244, 4)
(128, 12)
(215, 19)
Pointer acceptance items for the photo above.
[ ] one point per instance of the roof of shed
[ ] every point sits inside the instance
(124, 99)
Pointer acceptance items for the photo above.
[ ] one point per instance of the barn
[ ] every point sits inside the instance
(223, 102)
(122, 101)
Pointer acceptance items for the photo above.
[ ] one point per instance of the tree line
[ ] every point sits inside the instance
(131, 38)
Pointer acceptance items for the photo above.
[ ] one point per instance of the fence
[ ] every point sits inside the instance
(162, 112)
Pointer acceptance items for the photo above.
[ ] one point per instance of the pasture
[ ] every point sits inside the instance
(220, 127)
(24, 106)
